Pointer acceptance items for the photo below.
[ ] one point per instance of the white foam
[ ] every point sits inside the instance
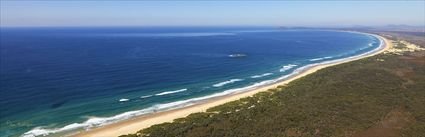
(146, 96)
(287, 67)
(226, 82)
(95, 122)
(262, 75)
(170, 92)
(371, 44)
(90, 123)
(317, 59)
(124, 100)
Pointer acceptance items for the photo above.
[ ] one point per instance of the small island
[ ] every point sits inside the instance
(237, 55)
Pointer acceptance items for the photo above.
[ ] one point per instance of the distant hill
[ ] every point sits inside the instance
(390, 27)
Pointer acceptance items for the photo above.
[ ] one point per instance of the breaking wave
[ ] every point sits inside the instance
(170, 92)
(226, 82)
(146, 96)
(287, 67)
(262, 75)
(318, 59)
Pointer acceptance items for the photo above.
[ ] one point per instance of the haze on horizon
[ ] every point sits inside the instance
(211, 13)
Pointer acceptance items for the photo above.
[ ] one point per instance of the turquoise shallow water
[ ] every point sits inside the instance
(55, 80)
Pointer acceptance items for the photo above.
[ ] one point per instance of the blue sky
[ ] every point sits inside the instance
(210, 13)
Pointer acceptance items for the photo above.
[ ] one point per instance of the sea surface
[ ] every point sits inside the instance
(55, 81)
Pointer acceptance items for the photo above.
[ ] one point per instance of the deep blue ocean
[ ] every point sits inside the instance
(55, 80)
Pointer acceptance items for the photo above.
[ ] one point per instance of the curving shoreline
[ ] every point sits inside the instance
(135, 124)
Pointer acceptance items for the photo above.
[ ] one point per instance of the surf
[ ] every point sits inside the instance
(262, 75)
(171, 92)
(226, 82)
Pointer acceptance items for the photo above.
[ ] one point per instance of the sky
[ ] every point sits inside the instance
(17, 13)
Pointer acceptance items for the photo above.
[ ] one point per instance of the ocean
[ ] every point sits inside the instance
(57, 80)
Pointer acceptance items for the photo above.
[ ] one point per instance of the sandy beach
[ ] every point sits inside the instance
(135, 124)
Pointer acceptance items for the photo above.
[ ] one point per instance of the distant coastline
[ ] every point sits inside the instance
(135, 124)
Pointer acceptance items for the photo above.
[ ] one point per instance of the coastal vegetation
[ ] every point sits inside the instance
(381, 95)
